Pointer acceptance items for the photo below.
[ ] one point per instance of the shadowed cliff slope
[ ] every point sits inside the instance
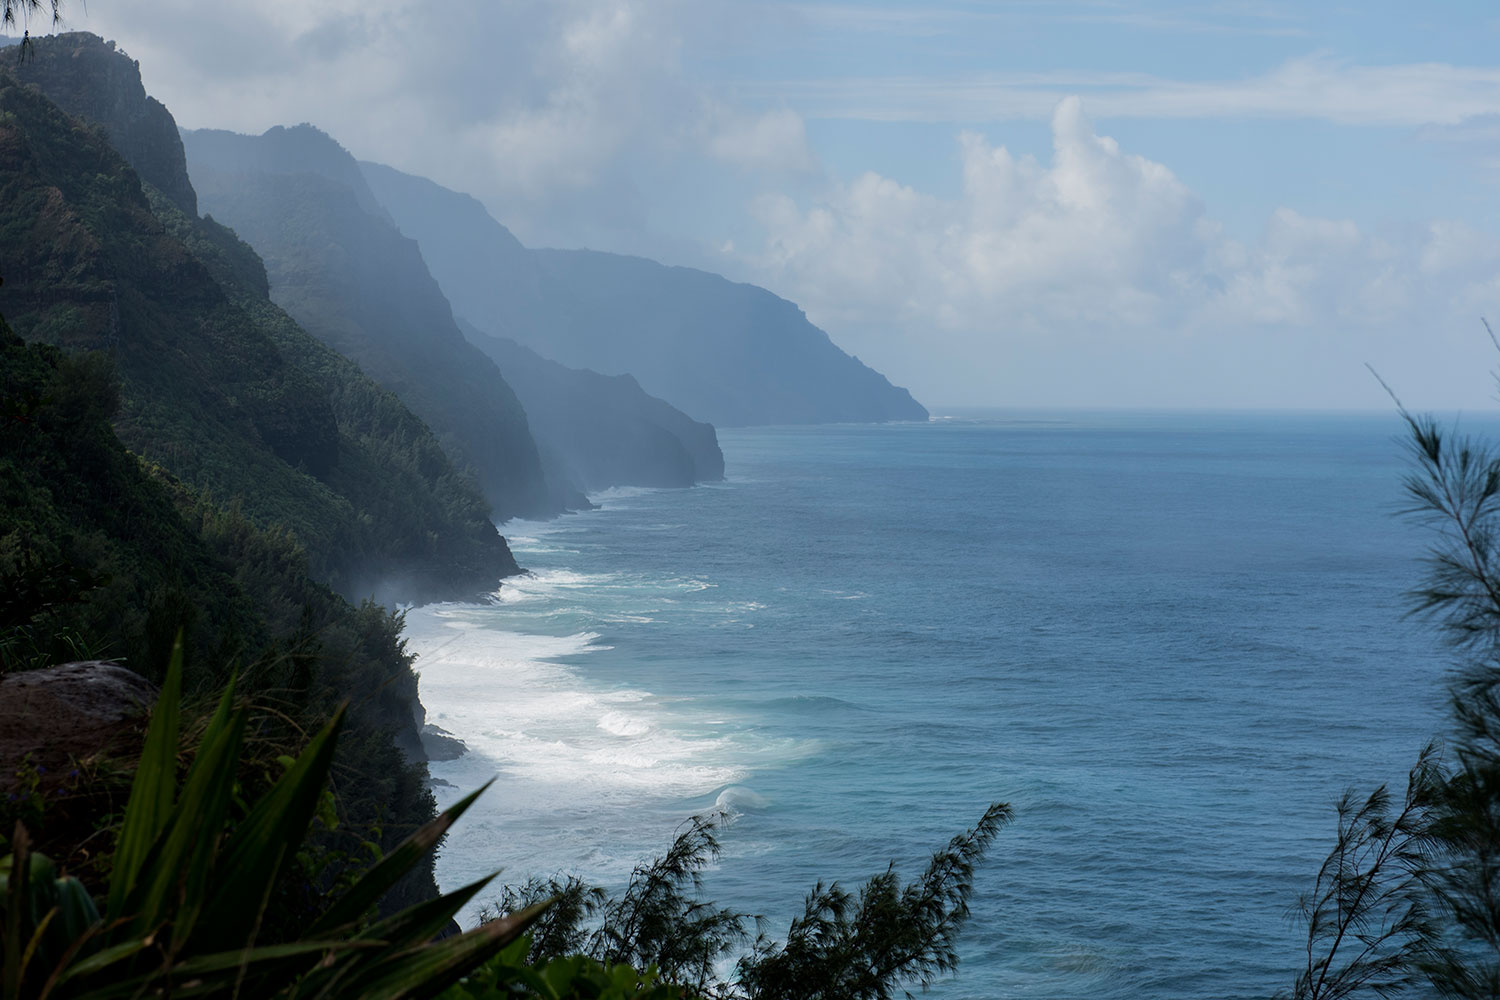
(729, 353)
(102, 554)
(597, 430)
(351, 279)
(219, 385)
(604, 430)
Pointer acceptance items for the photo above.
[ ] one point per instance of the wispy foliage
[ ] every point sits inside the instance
(891, 935)
(1455, 488)
(660, 921)
(563, 928)
(1409, 897)
(868, 944)
(14, 12)
(1367, 916)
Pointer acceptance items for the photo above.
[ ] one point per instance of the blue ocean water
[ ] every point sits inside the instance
(1169, 641)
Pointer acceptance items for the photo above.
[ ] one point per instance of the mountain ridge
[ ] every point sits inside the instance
(351, 279)
(730, 353)
(221, 387)
(590, 434)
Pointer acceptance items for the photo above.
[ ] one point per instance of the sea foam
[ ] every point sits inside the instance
(574, 760)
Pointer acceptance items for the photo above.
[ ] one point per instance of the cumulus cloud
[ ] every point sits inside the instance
(773, 140)
(546, 109)
(1096, 234)
(1103, 251)
(561, 114)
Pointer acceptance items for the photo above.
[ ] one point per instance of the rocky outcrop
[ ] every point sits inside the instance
(91, 79)
(54, 718)
(439, 744)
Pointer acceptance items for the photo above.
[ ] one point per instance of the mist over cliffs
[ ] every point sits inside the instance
(729, 353)
(605, 430)
(340, 265)
(353, 281)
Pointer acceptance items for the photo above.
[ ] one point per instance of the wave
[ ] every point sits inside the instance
(737, 799)
(807, 704)
(614, 494)
(582, 768)
(545, 584)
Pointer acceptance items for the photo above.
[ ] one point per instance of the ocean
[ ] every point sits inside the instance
(1169, 641)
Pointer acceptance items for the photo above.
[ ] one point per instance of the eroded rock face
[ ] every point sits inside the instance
(68, 713)
(439, 744)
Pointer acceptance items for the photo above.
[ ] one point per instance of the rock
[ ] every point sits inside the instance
(439, 744)
(67, 713)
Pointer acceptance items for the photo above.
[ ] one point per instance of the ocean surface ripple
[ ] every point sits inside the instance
(1169, 641)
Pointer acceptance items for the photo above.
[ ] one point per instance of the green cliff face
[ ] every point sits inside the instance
(220, 386)
(105, 555)
(349, 277)
(176, 453)
(90, 79)
(96, 559)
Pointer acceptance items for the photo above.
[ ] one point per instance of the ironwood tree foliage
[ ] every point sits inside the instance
(872, 944)
(13, 12)
(1409, 898)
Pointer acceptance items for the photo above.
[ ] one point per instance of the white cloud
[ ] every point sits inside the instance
(1104, 261)
(1316, 86)
(546, 109)
(936, 19)
(774, 140)
(560, 114)
(1097, 234)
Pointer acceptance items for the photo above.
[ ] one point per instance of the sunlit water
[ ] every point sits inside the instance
(1168, 641)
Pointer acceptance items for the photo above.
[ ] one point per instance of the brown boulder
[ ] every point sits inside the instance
(68, 713)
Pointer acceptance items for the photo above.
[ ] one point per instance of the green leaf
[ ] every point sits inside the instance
(256, 851)
(420, 923)
(173, 883)
(152, 790)
(103, 959)
(215, 974)
(427, 971)
(17, 904)
(374, 883)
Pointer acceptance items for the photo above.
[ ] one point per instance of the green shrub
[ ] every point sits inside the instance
(192, 881)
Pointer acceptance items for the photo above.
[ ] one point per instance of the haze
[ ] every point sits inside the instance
(1007, 204)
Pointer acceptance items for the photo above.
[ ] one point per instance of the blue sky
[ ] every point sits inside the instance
(1231, 204)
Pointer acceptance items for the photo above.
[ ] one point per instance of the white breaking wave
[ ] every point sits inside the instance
(737, 799)
(610, 497)
(547, 584)
(575, 763)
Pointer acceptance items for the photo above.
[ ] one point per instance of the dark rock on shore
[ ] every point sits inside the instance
(439, 744)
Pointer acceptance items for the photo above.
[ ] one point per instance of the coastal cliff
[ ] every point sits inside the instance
(728, 353)
(219, 386)
(604, 430)
(350, 278)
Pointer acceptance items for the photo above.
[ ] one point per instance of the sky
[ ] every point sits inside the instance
(1028, 203)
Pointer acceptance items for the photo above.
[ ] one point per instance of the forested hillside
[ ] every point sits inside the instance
(219, 385)
(262, 469)
(352, 280)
